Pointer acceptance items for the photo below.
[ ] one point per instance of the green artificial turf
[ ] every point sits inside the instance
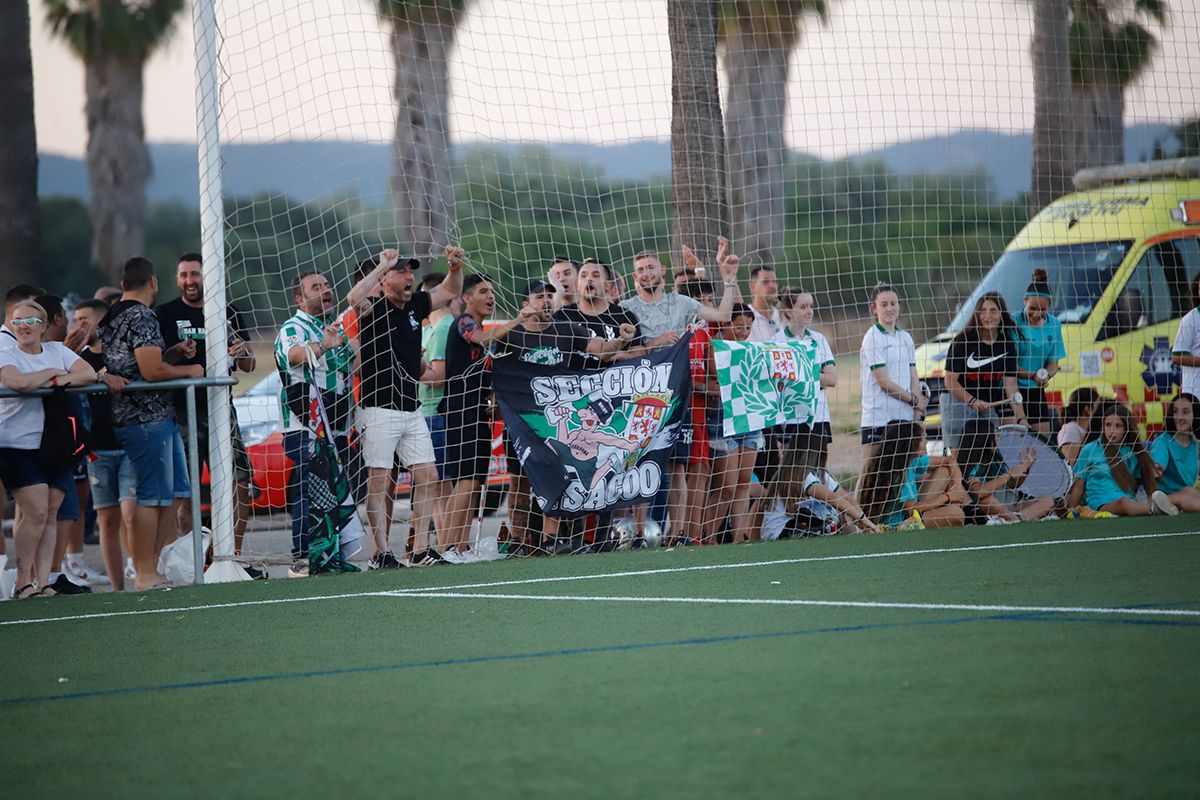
(353, 693)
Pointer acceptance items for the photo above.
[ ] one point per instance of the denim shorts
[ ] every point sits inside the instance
(437, 432)
(724, 445)
(159, 466)
(111, 477)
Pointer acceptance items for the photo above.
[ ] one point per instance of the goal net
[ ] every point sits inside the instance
(857, 143)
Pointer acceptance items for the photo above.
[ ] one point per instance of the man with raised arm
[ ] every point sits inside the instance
(663, 318)
(764, 293)
(467, 406)
(311, 349)
(144, 422)
(390, 420)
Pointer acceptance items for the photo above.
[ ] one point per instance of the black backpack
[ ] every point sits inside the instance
(64, 436)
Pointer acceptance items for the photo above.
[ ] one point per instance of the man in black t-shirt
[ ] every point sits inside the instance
(575, 344)
(182, 324)
(597, 314)
(390, 422)
(466, 406)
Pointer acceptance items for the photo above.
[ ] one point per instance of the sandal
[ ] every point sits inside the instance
(17, 594)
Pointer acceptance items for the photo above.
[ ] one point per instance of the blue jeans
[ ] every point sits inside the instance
(295, 447)
(159, 466)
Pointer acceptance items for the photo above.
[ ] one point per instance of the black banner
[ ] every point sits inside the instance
(597, 439)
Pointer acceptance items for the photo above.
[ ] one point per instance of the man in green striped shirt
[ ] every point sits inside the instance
(311, 348)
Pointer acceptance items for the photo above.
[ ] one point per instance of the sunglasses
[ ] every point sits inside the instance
(27, 322)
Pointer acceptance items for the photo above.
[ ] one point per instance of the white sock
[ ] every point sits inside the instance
(76, 559)
(3, 561)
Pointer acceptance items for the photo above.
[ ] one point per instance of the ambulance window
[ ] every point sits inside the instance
(1158, 289)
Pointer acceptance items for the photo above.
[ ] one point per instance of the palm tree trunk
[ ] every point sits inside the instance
(756, 74)
(697, 136)
(1052, 131)
(20, 231)
(1098, 113)
(422, 183)
(118, 162)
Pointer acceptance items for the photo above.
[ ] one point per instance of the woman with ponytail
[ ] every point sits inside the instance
(1039, 349)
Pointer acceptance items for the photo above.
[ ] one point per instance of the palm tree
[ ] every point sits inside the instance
(759, 36)
(1110, 49)
(1053, 163)
(20, 239)
(697, 142)
(114, 39)
(422, 36)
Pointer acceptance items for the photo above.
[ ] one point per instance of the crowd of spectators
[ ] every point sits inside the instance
(403, 370)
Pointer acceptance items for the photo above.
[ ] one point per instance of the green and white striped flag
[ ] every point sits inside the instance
(766, 383)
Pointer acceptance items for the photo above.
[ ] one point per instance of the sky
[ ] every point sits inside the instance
(598, 71)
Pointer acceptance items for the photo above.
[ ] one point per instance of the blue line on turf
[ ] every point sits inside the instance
(570, 651)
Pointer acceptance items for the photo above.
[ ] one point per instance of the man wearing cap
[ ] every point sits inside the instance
(390, 421)
(551, 340)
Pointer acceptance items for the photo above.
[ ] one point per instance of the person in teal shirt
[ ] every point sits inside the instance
(1040, 347)
(1177, 452)
(1112, 466)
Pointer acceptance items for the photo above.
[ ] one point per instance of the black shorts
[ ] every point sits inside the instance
(872, 435)
(681, 451)
(468, 443)
(1033, 400)
(822, 430)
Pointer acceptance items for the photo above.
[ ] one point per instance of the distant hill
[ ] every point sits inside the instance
(310, 170)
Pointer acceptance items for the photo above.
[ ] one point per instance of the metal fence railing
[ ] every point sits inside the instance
(189, 385)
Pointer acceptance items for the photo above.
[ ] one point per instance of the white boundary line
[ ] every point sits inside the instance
(597, 576)
(756, 601)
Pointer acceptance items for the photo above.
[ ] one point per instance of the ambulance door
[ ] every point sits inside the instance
(1133, 349)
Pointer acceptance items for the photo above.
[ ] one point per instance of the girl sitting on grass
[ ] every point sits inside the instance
(1078, 414)
(1112, 466)
(1176, 451)
(993, 486)
(800, 477)
(903, 487)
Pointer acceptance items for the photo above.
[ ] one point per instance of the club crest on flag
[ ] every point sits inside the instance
(765, 383)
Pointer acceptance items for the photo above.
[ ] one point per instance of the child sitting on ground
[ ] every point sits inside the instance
(1113, 464)
(1176, 451)
(993, 486)
(801, 478)
(903, 487)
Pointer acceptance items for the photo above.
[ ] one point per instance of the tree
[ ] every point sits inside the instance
(697, 141)
(422, 186)
(114, 39)
(1053, 162)
(1110, 48)
(20, 239)
(759, 36)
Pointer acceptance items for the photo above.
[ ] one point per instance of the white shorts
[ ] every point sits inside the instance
(386, 433)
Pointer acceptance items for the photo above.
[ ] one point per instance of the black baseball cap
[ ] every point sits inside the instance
(413, 264)
(537, 287)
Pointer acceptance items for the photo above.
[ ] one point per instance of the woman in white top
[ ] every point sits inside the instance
(1078, 414)
(888, 370)
(798, 306)
(27, 365)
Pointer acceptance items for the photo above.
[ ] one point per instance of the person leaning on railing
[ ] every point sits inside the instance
(26, 364)
(144, 422)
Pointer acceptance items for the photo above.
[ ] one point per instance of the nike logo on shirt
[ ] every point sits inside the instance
(974, 363)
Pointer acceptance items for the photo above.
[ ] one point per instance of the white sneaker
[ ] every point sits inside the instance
(1161, 504)
(84, 574)
(995, 520)
(130, 570)
(452, 556)
(469, 556)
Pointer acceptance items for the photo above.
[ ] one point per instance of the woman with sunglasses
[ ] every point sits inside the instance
(26, 365)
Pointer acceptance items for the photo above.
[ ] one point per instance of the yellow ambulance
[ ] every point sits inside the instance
(1120, 253)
